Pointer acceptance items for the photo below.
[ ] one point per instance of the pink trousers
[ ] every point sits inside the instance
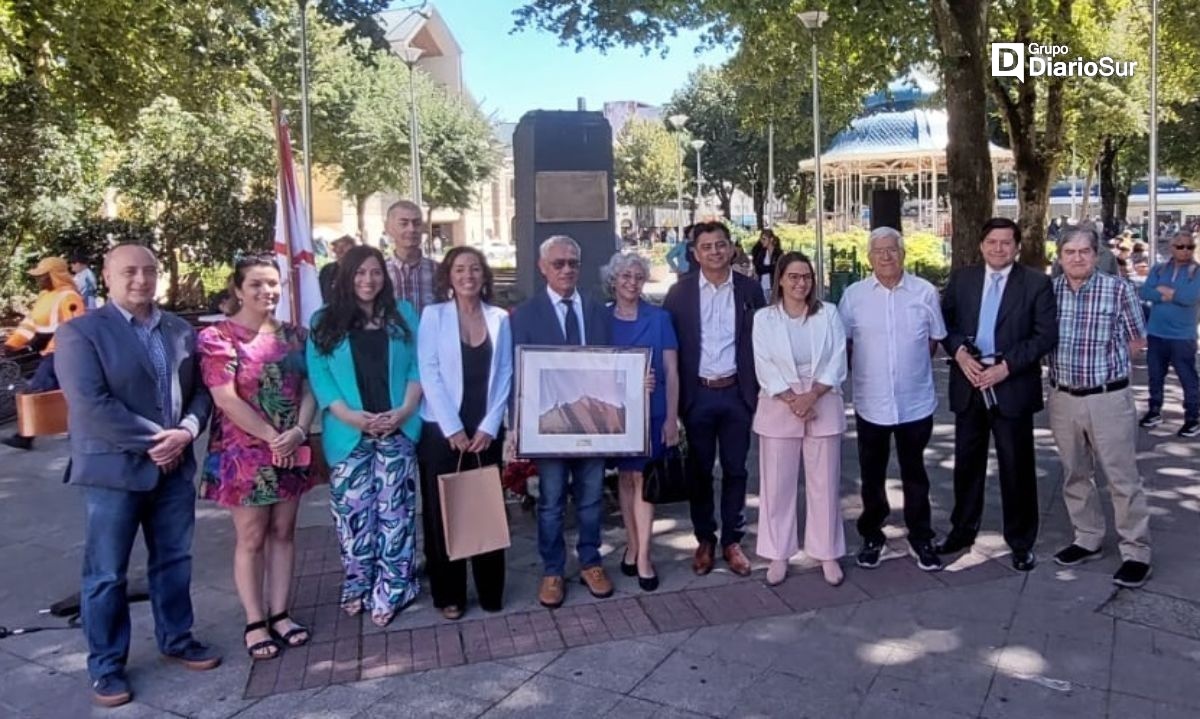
(778, 481)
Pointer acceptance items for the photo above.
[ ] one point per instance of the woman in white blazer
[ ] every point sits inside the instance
(800, 360)
(464, 349)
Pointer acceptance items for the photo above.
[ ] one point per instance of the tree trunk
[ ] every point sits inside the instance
(1037, 139)
(1108, 186)
(760, 202)
(960, 27)
(1086, 203)
(726, 198)
(360, 211)
(801, 199)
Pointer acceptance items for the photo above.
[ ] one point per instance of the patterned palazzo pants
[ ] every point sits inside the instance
(374, 494)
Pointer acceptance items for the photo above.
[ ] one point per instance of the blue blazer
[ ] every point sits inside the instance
(440, 351)
(112, 409)
(683, 302)
(535, 322)
(332, 378)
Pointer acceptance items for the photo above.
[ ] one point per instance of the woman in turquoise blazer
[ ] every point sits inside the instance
(362, 359)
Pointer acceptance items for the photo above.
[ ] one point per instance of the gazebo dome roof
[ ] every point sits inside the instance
(896, 133)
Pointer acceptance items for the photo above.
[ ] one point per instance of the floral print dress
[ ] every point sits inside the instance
(268, 372)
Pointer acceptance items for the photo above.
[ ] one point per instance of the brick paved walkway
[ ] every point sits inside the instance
(348, 649)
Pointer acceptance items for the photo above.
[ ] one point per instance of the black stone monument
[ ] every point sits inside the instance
(563, 167)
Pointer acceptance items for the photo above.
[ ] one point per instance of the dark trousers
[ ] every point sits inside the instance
(447, 579)
(874, 448)
(1161, 354)
(1018, 473)
(718, 424)
(44, 378)
(166, 516)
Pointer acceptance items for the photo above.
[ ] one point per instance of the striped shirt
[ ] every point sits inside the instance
(1096, 323)
(150, 333)
(414, 283)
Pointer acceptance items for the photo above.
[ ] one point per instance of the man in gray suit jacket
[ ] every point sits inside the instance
(135, 406)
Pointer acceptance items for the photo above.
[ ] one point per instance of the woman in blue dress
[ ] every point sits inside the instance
(637, 323)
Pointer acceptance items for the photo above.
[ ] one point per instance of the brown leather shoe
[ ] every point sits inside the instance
(452, 612)
(552, 592)
(736, 559)
(597, 581)
(703, 559)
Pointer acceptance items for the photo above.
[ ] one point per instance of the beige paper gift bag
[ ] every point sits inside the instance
(473, 515)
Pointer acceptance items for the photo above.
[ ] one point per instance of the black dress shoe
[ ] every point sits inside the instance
(953, 543)
(1024, 561)
(629, 570)
(648, 584)
(16, 441)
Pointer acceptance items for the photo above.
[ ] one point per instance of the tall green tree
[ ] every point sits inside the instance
(199, 179)
(645, 164)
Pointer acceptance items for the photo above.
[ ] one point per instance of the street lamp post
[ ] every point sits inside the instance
(813, 20)
(410, 55)
(697, 144)
(677, 122)
(1152, 225)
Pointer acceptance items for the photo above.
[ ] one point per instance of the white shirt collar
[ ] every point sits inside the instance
(556, 298)
(874, 280)
(988, 271)
(726, 283)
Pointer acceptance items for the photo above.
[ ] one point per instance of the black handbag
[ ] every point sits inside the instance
(665, 480)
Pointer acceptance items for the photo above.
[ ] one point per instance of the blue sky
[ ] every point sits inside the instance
(511, 74)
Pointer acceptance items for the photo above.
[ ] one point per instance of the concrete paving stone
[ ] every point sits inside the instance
(1125, 706)
(419, 705)
(1051, 582)
(632, 708)
(614, 666)
(973, 571)
(1012, 698)
(173, 689)
(707, 685)
(732, 643)
(1156, 676)
(809, 590)
(489, 681)
(1160, 611)
(544, 697)
(886, 704)
(532, 663)
(782, 695)
(289, 704)
(832, 654)
(1078, 618)
(944, 683)
(670, 640)
(891, 578)
(995, 600)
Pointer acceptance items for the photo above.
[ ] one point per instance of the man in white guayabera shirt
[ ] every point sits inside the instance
(893, 324)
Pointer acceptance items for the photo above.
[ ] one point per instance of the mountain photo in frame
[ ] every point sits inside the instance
(582, 401)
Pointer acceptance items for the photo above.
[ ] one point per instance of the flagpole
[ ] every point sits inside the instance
(304, 117)
(284, 209)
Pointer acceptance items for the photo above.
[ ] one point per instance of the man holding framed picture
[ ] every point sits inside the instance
(560, 315)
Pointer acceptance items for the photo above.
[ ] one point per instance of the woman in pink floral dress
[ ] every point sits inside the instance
(258, 457)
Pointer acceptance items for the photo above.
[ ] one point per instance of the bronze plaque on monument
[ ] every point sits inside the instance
(572, 196)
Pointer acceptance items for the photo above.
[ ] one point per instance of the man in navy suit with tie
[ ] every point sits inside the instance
(713, 312)
(135, 406)
(1001, 320)
(560, 315)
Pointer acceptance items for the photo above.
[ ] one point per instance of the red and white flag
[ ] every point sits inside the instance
(301, 292)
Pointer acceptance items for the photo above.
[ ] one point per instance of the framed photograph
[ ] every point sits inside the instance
(582, 401)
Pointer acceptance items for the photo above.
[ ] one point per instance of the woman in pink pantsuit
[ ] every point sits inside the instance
(800, 359)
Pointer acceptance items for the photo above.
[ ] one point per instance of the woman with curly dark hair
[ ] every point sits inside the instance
(362, 359)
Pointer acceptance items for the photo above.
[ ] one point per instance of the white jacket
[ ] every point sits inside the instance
(773, 361)
(439, 355)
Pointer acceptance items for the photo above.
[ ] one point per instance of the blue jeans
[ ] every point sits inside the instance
(1181, 354)
(167, 516)
(587, 487)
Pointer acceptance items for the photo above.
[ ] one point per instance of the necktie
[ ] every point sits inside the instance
(985, 337)
(572, 324)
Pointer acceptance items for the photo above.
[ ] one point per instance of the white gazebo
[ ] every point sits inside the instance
(897, 143)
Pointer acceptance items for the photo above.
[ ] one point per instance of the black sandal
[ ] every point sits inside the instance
(255, 650)
(295, 631)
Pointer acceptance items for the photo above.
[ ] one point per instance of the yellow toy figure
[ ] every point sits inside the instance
(58, 302)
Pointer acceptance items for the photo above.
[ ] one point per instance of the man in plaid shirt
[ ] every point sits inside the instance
(1092, 415)
(413, 276)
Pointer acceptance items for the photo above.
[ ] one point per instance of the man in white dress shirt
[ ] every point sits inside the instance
(893, 324)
